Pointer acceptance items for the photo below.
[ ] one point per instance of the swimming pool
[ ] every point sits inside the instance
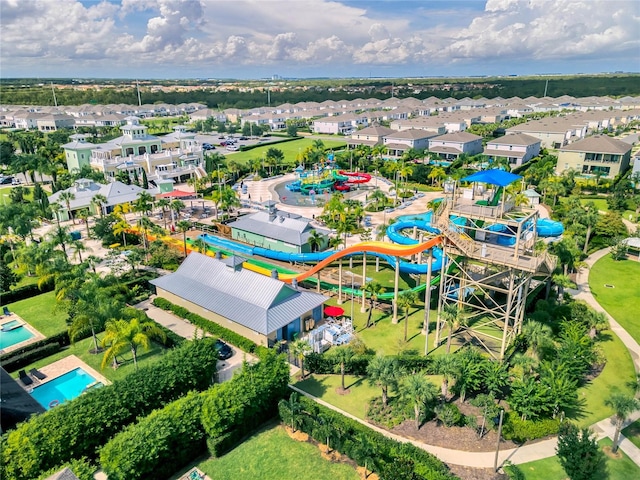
(12, 333)
(64, 388)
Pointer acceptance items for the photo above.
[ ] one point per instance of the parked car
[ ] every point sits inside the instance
(232, 147)
(208, 146)
(243, 138)
(224, 350)
(6, 180)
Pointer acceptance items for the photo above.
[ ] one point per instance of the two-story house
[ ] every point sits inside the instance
(517, 148)
(597, 155)
(451, 145)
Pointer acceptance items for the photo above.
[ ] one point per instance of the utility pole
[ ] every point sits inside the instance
(138, 89)
(545, 87)
(495, 461)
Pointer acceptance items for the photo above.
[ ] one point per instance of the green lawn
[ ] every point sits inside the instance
(271, 454)
(360, 391)
(618, 371)
(550, 469)
(81, 350)
(600, 203)
(41, 313)
(632, 432)
(28, 194)
(290, 149)
(623, 301)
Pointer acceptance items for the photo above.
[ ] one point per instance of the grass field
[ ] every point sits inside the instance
(550, 469)
(623, 301)
(290, 149)
(360, 391)
(41, 313)
(6, 191)
(617, 372)
(272, 455)
(632, 432)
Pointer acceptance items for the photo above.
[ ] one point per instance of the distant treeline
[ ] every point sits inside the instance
(21, 91)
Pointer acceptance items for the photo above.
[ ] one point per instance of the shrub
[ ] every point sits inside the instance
(34, 351)
(25, 292)
(159, 444)
(449, 414)
(518, 430)
(396, 412)
(76, 429)
(248, 399)
(328, 364)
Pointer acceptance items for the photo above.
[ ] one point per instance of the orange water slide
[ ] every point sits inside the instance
(364, 247)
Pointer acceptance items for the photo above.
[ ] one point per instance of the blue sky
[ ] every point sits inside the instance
(312, 38)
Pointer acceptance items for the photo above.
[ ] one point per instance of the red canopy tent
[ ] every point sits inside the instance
(176, 194)
(333, 311)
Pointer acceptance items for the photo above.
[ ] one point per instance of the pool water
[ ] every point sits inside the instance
(11, 334)
(64, 388)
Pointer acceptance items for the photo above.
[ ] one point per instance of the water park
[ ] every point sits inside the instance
(476, 250)
(322, 180)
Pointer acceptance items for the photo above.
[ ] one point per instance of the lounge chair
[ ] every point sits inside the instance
(34, 372)
(6, 311)
(24, 378)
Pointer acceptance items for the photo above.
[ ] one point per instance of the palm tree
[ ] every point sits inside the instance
(163, 204)
(364, 451)
(384, 372)
(315, 240)
(562, 282)
(324, 428)
(291, 411)
(144, 203)
(623, 406)
(437, 174)
(589, 218)
(453, 317)
(183, 227)
(342, 354)
(421, 392)
(300, 349)
(200, 245)
(374, 289)
(122, 227)
(378, 197)
(84, 216)
(405, 300)
(538, 338)
(176, 206)
(446, 365)
(121, 335)
(67, 197)
(78, 247)
(99, 201)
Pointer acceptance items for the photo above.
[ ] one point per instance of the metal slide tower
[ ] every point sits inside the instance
(495, 264)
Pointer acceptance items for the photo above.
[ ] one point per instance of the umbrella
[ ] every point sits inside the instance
(333, 311)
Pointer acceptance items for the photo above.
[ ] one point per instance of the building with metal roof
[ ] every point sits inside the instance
(279, 230)
(263, 309)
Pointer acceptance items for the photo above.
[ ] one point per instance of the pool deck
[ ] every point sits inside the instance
(65, 365)
(36, 334)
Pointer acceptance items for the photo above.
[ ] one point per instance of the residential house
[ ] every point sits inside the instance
(370, 136)
(517, 148)
(397, 143)
(597, 155)
(451, 145)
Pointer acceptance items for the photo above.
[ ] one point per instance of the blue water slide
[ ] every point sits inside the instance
(242, 249)
(549, 228)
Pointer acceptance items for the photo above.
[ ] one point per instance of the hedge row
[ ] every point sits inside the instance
(245, 148)
(25, 292)
(213, 328)
(33, 352)
(78, 428)
(389, 458)
(159, 444)
(168, 439)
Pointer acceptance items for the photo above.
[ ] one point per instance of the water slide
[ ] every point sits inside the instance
(544, 228)
(248, 250)
(320, 187)
(355, 177)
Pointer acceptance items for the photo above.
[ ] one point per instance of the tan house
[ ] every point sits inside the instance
(517, 148)
(597, 155)
(451, 145)
(370, 136)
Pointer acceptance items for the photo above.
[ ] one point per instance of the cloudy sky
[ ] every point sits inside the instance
(311, 38)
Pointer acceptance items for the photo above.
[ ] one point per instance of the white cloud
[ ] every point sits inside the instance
(287, 33)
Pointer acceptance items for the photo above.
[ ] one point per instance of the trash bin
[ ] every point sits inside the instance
(75, 235)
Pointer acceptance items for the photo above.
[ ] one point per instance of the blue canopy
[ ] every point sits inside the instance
(493, 177)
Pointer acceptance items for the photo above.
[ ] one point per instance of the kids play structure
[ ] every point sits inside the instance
(326, 180)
